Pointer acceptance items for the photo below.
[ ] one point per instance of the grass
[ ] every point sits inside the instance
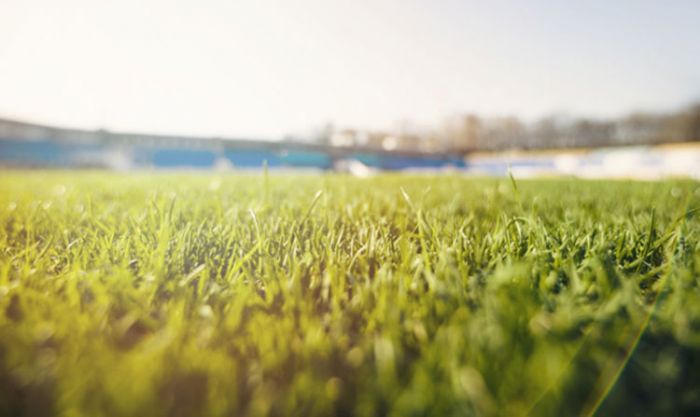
(202, 295)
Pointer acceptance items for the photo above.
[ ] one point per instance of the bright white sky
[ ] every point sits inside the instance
(263, 68)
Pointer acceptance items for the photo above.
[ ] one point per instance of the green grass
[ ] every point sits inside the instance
(198, 295)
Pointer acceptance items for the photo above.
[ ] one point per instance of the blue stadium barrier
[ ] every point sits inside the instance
(253, 158)
(307, 159)
(31, 152)
(173, 157)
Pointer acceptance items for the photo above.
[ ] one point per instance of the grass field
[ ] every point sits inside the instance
(197, 295)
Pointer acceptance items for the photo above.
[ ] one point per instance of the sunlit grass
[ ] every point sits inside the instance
(204, 295)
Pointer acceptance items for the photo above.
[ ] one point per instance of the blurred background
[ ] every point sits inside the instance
(589, 89)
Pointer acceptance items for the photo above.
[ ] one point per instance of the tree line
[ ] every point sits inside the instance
(470, 132)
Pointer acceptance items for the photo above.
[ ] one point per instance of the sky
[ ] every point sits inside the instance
(266, 68)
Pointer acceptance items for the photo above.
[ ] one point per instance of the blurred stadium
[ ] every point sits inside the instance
(639, 146)
(32, 145)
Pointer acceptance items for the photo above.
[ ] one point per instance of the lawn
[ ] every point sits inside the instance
(322, 295)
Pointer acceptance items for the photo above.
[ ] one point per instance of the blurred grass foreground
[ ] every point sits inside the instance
(203, 295)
